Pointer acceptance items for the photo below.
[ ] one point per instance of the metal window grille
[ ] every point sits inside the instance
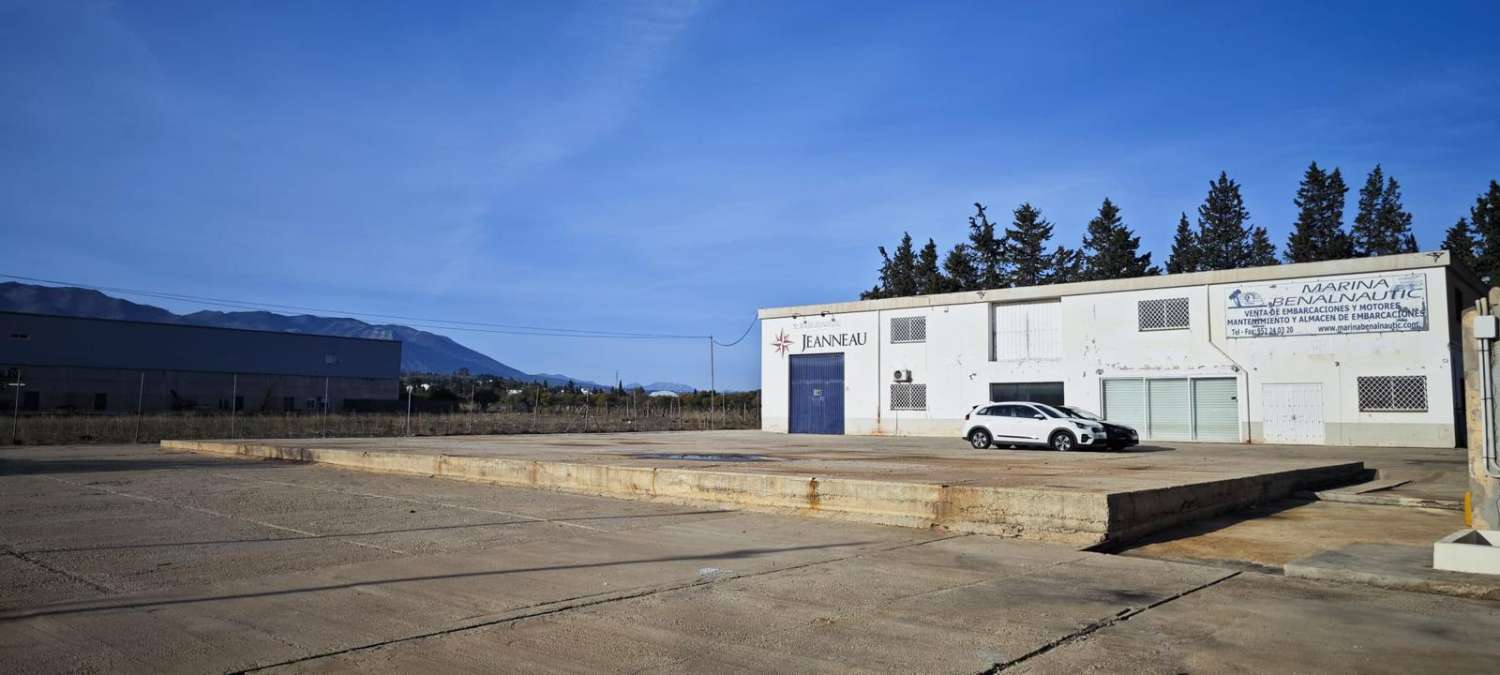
(909, 329)
(1388, 393)
(1162, 313)
(908, 396)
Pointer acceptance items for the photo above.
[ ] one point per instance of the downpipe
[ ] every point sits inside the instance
(1209, 306)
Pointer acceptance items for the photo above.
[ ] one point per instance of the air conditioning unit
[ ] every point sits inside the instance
(902, 376)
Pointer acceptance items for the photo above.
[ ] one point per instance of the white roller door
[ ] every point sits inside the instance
(1216, 409)
(1125, 403)
(1293, 412)
(1177, 409)
(1171, 410)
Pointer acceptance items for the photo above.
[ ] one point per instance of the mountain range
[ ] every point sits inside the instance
(421, 351)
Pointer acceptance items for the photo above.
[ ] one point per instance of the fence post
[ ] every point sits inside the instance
(324, 430)
(140, 409)
(234, 402)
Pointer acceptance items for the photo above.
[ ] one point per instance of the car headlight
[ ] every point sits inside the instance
(1081, 425)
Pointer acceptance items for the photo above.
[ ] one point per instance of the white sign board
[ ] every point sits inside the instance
(1385, 303)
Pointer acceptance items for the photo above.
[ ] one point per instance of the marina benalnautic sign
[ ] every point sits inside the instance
(1336, 306)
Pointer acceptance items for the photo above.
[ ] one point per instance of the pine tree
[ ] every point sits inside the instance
(1319, 231)
(1364, 230)
(959, 270)
(987, 250)
(1110, 249)
(1067, 265)
(1184, 257)
(1395, 220)
(1460, 244)
(1382, 226)
(903, 269)
(897, 272)
(1485, 217)
(1025, 248)
(929, 279)
(1223, 222)
(1262, 251)
(882, 282)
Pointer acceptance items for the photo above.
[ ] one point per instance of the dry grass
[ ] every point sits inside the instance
(75, 429)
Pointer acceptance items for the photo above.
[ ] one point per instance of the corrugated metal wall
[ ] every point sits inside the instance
(817, 394)
(39, 340)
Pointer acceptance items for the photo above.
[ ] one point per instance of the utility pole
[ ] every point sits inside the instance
(15, 419)
(711, 384)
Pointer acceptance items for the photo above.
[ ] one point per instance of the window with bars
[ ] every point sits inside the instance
(1162, 313)
(1393, 393)
(908, 396)
(908, 329)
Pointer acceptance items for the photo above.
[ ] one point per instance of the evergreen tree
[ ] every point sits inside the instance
(1460, 244)
(903, 280)
(1394, 218)
(1364, 229)
(1184, 257)
(958, 269)
(987, 251)
(1223, 227)
(1110, 249)
(1262, 251)
(1382, 226)
(1067, 265)
(883, 282)
(1485, 217)
(1025, 248)
(898, 273)
(928, 278)
(1319, 231)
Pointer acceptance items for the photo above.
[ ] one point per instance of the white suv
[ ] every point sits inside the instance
(1027, 423)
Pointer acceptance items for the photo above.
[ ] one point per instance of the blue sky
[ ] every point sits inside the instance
(672, 166)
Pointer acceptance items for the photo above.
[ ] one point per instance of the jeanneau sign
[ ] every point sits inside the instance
(834, 340)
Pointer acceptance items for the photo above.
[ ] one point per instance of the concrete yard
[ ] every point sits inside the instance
(1082, 498)
(136, 559)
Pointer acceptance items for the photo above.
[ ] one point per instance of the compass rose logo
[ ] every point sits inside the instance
(782, 343)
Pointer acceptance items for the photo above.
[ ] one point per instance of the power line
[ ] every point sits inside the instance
(454, 324)
(742, 335)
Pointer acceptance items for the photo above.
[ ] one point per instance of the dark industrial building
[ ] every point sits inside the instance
(71, 364)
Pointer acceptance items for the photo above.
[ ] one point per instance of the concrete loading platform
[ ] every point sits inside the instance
(1084, 499)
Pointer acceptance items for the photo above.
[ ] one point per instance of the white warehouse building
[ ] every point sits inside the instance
(1350, 352)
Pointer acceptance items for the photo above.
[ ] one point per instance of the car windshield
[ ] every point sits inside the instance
(1082, 413)
(1049, 410)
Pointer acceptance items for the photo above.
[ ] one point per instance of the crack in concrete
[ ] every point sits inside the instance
(18, 555)
(583, 601)
(413, 500)
(1119, 617)
(216, 514)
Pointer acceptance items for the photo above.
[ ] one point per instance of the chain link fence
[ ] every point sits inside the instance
(61, 429)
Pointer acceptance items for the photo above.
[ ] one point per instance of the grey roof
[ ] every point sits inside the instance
(45, 340)
(1386, 263)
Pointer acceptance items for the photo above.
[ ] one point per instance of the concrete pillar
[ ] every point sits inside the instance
(1484, 492)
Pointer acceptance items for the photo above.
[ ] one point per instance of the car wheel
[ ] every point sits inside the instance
(1061, 441)
(979, 438)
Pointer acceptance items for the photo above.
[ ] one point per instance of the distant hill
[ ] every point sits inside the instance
(421, 351)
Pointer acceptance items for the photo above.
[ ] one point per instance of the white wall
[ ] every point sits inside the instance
(1100, 339)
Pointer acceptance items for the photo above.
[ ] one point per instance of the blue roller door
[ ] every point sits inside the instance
(817, 394)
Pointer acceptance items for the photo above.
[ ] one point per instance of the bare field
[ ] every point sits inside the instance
(75, 429)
